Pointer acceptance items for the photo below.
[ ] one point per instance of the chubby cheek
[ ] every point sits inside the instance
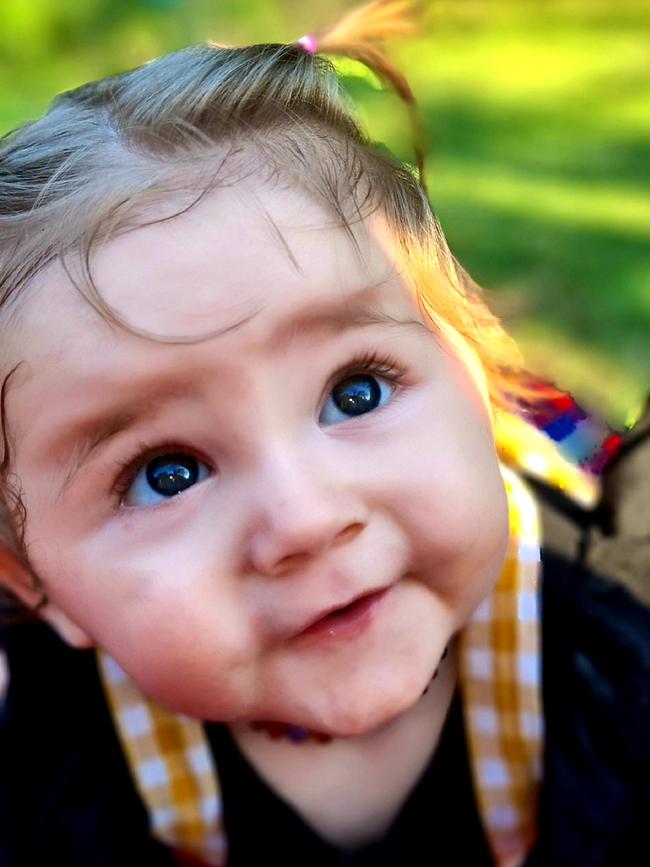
(462, 550)
(177, 628)
(192, 671)
(456, 510)
(190, 659)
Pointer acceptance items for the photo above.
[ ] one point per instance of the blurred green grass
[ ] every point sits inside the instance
(538, 118)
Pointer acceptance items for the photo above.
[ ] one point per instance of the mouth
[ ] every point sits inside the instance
(347, 621)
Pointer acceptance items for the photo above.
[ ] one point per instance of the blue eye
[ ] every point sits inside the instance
(164, 477)
(353, 396)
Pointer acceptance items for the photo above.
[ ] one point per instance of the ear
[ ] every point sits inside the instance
(20, 581)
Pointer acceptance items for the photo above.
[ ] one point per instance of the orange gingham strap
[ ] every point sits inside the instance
(500, 680)
(172, 767)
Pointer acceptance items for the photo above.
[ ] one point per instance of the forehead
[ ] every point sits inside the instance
(242, 255)
(240, 249)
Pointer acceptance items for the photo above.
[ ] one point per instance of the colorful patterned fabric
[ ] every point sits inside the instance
(581, 438)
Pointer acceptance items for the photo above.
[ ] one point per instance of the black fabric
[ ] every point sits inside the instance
(595, 805)
(441, 808)
(66, 796)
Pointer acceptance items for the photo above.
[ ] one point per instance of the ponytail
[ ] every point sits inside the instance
(359, 35)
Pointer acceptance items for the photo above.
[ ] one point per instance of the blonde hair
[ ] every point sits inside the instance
(187, 122)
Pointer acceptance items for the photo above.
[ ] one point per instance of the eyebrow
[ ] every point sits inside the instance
(79, 441)
(357, 312)
(83, 438)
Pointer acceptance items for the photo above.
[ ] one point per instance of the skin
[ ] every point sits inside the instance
(299, 509)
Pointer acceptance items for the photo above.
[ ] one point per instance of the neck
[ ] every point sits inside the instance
(372, 773)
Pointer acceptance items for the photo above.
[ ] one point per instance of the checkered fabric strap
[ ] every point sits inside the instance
(499, 660)
(172, 767)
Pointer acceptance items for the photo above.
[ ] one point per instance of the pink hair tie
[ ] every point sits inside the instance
(308, 43)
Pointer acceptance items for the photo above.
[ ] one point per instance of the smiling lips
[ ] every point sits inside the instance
(344, 622)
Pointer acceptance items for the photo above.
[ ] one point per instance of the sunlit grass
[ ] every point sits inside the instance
(577, 204)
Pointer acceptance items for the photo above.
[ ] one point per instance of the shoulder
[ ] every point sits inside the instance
(596, 598)
(596, 660)
(596, 666)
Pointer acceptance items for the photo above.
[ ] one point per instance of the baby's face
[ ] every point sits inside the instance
(193, 508)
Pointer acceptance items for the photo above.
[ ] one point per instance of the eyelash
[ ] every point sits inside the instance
(370, 362)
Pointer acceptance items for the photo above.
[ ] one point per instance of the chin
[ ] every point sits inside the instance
(353, 719)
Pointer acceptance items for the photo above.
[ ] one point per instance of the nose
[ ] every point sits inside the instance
(301, 514)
